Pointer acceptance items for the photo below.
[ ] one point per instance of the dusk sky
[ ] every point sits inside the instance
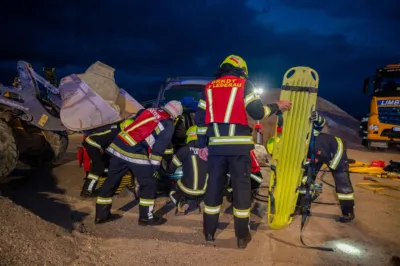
(344, 41)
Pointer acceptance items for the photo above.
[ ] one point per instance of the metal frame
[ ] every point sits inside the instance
(30, 105)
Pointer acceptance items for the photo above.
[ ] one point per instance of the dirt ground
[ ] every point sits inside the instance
(43, 221)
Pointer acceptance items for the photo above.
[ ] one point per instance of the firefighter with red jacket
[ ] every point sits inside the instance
(221, 118)
(139, 147)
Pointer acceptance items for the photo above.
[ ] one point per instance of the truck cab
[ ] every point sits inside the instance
(384, 117)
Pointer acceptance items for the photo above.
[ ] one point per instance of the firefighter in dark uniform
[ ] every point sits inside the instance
(193, 183)
(95, 144)
(139, 147)
(331, 150)
(221, 118)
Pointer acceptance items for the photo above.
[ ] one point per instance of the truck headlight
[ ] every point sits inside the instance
(373, 127)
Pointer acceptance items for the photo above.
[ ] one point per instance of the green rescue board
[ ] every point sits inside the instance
(292, 138)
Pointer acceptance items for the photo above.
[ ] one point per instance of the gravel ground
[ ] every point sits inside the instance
(44, 222)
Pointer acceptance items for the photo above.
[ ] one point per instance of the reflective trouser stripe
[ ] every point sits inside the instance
(104, 201)
(231, 140)
(169, 151)
(146, 202)
(93, 177)
(171, 197)
(338, 156)
(190, 191)
(342, 196)
(212, 210)
(241, 213)
(256, 178)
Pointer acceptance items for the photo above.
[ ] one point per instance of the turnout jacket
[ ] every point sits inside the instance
(102, 138)
(194, 179)
(221, 115)
(328, 148)
(145, 140)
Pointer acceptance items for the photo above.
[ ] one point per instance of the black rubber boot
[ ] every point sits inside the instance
(347, 207)
(345, 219)
(182, 207)
(152, 222)
(209, 237)
(242, 242)
(111, 217)
(85, 192)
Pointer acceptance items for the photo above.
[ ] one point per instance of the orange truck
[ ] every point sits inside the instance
(384, 117)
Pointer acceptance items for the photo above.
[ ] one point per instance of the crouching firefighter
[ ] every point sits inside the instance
(139, 147)
(256, 178)
(329, 150)
(193, 183)
(221, 117)
(95, 144)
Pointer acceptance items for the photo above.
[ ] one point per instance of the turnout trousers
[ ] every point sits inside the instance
(336, 159)
(98, 167)
(147, 187)
(239, 168)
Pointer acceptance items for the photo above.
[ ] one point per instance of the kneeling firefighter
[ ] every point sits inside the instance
(139, 147)
(330, 150)
(256, 177)
(193, 183)
(95, 144)
(221, 117)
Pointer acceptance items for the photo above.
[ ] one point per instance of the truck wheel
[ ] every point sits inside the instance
(52, 150)
(8, 150)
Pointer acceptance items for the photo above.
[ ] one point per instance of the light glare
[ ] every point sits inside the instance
(349, 249)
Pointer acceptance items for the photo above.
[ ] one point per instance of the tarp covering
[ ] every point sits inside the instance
(92, 99)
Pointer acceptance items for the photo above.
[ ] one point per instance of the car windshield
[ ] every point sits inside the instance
(388, 87)
(189, 96)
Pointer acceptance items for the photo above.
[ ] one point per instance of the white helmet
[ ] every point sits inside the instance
(174, 108)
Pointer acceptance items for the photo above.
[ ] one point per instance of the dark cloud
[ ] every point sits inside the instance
(382, 11)
(146, 41)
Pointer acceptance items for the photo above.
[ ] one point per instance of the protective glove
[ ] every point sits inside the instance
(314, 116)
(203, 153)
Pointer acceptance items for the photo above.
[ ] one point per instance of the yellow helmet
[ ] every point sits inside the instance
(191, 134)
(270, 144)
(236, 61)
(126, 123)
